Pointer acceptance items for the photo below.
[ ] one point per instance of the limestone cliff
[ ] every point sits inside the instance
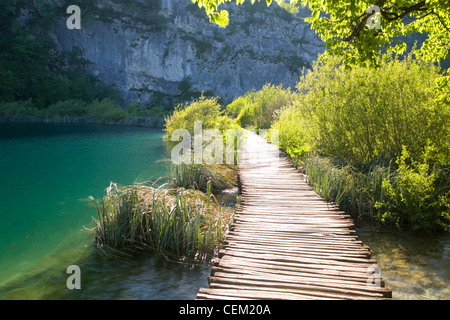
(149, 48)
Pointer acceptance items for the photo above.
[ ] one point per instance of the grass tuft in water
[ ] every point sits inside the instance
(197, 176)
(182, 224)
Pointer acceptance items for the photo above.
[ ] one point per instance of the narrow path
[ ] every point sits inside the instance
(286, 242)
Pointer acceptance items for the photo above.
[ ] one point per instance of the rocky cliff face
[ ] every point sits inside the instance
(149, 48)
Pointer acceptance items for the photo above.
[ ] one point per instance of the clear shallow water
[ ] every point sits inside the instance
(415, 266)
(47, 173)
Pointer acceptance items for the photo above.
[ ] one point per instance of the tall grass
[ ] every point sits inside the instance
(196, 176)
(180, 223)
(401, 194)
(352, 190)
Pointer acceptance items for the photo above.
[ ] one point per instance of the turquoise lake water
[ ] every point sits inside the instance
(47, 173)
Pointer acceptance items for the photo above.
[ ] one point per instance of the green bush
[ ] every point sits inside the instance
(294, 134)
(69, 108)
(136, 110)
(207, 111)
(260, 107)
(18, 108)
(414, 196)
(106, 111)
(234, 108)
(364, 113)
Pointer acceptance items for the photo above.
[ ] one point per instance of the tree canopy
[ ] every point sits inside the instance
(359, 29)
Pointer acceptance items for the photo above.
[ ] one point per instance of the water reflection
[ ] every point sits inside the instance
(414, 266)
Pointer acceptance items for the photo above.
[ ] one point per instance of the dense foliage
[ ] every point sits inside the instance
(207, 111)
(358, 30)
(373, 140)
(101, 111)
(258, 108)
(365, 113)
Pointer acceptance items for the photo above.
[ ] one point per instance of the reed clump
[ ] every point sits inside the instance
(182, 224)
(352, 189)
(403, 193)
(197, 176)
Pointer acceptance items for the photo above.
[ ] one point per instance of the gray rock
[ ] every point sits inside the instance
(142, 51)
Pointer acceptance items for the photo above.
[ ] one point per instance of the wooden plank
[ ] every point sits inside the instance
(300, 229)
(317, 277)
(301, 262)
(307, 295)
(299, 282)
(329, 223)
(307, 247)
(286, 242)
(297, 237)
(284, 256)
(232, 294)
(269, 270)
(312, 250)
(290, 286)
(272, 265)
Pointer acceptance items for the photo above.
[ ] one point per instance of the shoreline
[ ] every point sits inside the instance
(131, 121)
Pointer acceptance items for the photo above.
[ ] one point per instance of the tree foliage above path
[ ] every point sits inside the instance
(358, 29)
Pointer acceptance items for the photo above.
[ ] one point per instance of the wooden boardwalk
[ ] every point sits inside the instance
(288, 243)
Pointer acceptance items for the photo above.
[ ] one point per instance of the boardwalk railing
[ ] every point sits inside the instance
(288, 243)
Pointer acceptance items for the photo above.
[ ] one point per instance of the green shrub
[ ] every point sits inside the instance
(18, 108)
(260, 107)
(137, 110)
(234, 108)
(106, 111)
(294, 135)
(414, 196)
(364, 113)
(206, 111)
(69, 108)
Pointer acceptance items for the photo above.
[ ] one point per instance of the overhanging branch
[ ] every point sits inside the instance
(388, 16)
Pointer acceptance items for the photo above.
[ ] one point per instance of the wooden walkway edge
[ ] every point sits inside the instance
(288, 243)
